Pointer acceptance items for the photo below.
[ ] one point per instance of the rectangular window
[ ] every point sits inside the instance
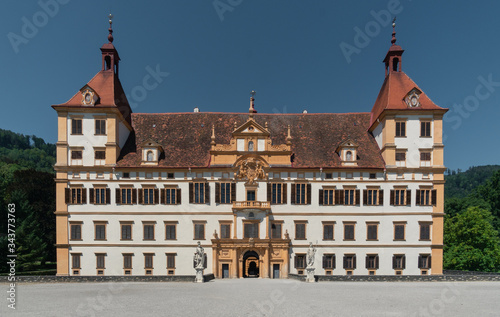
(399, 231)
(100, 127)
(148, 261)
(349, 197)
(328, 197)
(371, 197)
(199, 231)
(100, 261)
(371, 231)
(250, 195)
(277, 193)
(170, 261)
(300, 231)
(148, 196)
(126, 230)
(372, 261)
(400, 128)
(76, 231)
(76, 154)
(251, 230)
(349, 231)
(276, 230)
(424, 197)
(99, 196)
(75, 261)
(328, 175)
(127, 261)
(149, 232)
(349, 261)
(100, 155)
(425, 231)
(425, 158)
(225, 193)
(300, 261)
(425, 128)
(401, 158)
(329, 261)
(400, 197)
(328, 231)
(424, 261)
(300, 194)
(76, 126)
(126, 196)
(199, 193)
(373, 175)
(398, 261)
(77, 195)
(170, 232)
(100, 232)
(171, 196)
(225, 231)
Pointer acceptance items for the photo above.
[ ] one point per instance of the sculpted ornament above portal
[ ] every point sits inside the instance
(251, 169)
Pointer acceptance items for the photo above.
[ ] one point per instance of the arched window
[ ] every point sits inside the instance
(395, 63)
(150, 156)
(250, 146)
(348, 156)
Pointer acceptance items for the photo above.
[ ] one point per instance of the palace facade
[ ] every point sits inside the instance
(137, 191)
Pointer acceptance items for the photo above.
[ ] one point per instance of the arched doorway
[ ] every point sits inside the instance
(251, 264)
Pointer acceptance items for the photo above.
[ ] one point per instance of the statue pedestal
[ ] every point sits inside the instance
(199, 275)
(310, 275)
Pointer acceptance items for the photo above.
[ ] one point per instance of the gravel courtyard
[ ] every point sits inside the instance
(256, 297)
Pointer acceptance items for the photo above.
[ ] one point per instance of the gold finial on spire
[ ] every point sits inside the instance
(288, 137)
(110, 36)
(393, 40)
(213, 135)
(252, 108)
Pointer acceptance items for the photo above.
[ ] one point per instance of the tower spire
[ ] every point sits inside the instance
(393, 40)
(110, 35)
(393, 57)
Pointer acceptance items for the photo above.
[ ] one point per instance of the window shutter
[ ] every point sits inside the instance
(108, 196)
(84, 195)
(217, 193)
(376, 262)
(324, 261)
(404, 261)
(345, 262)
(293, 194)
(392, 197)
(141, 198)
(357, 196)
(178, 196)
(394, 262)
(207, 193)
(285, 193)
(118, 196)
(408, 197)
(269, 192)
(434, 197)
(91, 196)
(333, 261)
(308, 200)
(233, 192)
(191, 193)
(354, 262)
(417, 199)
(157, 196)
(366, 261)
(342, 197)
(134, 196)
(419, 261)
(365, 197)
(67, 195)
(296, 260)
(381, 197)
(337, 197)
(430, 261)
(163, 198)
(321, 197)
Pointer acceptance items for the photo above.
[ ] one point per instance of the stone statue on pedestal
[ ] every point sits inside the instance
(310, 255)
(199, 263)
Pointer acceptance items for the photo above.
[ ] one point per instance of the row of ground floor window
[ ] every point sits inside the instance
(146, 264)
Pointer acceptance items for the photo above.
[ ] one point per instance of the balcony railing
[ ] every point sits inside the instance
(251, 205)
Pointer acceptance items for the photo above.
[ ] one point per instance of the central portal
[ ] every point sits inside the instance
(251, 264)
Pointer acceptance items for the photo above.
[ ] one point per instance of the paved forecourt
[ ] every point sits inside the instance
(257, 297)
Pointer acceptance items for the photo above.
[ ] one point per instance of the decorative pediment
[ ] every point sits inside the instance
(251, 127)
(412, 98)
(89, 96)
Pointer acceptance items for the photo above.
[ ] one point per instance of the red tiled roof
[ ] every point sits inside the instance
(391, 96)
(185, 137)
(109, 89)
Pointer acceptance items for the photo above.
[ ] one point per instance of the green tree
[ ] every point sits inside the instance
(490, 192)
(470, 242)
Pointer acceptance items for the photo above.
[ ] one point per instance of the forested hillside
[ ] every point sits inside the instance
(460, 184)
(27, 181)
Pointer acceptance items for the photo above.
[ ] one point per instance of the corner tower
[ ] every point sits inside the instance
(408, 127)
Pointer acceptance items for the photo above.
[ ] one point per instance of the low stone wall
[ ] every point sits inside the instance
(86, 279)
(407, 278)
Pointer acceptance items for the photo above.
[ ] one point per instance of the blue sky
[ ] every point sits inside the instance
(216, 52)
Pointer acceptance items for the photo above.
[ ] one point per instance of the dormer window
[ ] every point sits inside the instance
(347, 151)
(412, 99)
(250, 146)
(151, 152)
(89, 96)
